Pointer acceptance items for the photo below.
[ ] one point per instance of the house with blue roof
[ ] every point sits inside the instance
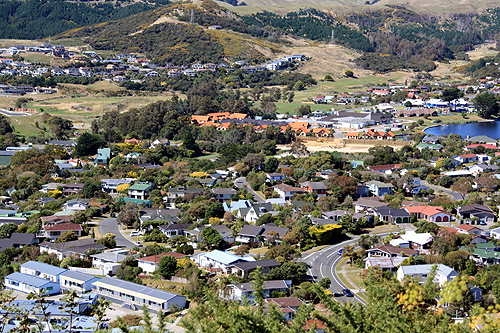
(110, 185)
(42, 270)
(219, 260)
(30, 284)
(77, 281)
(236, 205)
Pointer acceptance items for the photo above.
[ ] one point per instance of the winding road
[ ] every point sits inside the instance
(438, 189)
(110, 225)
(323, 263)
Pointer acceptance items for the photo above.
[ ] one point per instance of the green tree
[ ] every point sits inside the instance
(211, 237)
(167, 266)
(87, 144)
(90, 189)
(67, 236)
(5, 126)
(450, 94)
(349, 73)
(487, 105)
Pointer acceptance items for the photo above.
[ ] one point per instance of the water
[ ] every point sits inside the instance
(491, 129)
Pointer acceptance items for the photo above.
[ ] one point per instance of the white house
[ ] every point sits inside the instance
(495, 233)
(239, 291)
(79, 282)
(150, 264)
(421, 273)
(30, 284)
(42, 270)
(76, 205)
(286, 191)
(219, 260)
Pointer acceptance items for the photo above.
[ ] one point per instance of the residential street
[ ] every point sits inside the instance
(322, 264)
(242, 183)
(438, 189)
(110, 225)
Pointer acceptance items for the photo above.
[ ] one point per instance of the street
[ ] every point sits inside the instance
(241, 182)
(110, 225)
(322, 264)
(438, 189)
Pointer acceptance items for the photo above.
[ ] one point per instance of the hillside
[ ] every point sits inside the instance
(34, 19)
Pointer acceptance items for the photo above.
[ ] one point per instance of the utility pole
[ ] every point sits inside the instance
(192, 17)
(332, 39)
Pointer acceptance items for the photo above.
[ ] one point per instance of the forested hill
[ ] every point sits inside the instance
(33, 19)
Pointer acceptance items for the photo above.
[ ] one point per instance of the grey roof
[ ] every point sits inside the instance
(15, 220)
(46, 199)
(42, 267)
(251, 265)
(67, 245)
(386, 210)
(185, 190)
(315, 185)
(112, 181)
(138, 288)
(273, 284)
(28, 279)
(22, 238)
(83, 248)
(79, 276)
(176, 226)
(379, 184)
(476, 208)
(281, 231)
(425, 269)
(334, 213)
(320, 221)
(221, 229)
(481, 138)
(221, 190)
(251, 230)
(110, 256)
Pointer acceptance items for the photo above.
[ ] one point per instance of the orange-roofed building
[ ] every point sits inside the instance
(429, 213)
(197, 120)
(390, 134)
(208, 123)
(223, 126)
(219, 116)
(353, 135)
(302, 131)
(283, 128)
(321, 131)
(320, 326)
(299, 124)
(238, 116)
(469, 229)
(133, 141)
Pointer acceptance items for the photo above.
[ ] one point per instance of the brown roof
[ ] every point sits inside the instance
(285, 301)
(387, 248)
(53, 218)
(467, 227)
(156, 258)
(64, 227)
(384, 167)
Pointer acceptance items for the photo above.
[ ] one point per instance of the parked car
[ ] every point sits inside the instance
(138, 244)
(340, 251)
(337, 294)
(347, 293)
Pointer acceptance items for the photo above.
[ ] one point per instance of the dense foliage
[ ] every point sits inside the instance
(30, 19)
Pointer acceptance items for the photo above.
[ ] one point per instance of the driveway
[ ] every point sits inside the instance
(110, 225)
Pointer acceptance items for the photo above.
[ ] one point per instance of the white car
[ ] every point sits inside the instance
(138, 244)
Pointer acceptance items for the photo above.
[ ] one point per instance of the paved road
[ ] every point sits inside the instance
(13, 114)
(110, 225)
(322, 264)
(438, 189)
(242, 183)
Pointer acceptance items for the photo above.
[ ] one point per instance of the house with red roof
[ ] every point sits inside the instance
(387, 169)
(133, 141)
(429, 213)
(54, 231)
(466, 158)
(468, 229)
(485, 145)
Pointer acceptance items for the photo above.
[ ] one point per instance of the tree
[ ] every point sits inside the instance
(5, 126)
(90, 189)
(129, 214)
(349, 73)
(87, 144)
(271, 165)
(6, 230)
(487, 105)
(108, 240)
(211, 237)
(328, 77)
(450, 94)
(67, 236)
(167, 266)
(463, 186)
(298, 86)
(216, 209)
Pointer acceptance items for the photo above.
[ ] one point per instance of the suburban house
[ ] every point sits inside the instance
(486, 254)
(466, 158)
(385, 169)
(257, 210)
(392, 215)
(219, 261)
(495, 233)
(387, 250)
(421, 273)
(384, 263)
(416, 241)
(317, 187)
(368, 204)
(150, 264)
(469, 230)
(51, 187)
(114, 256)
(240, 291)
(249, 234)
(30, 284)
(42, 270)
(73, 248)
(482, 212)
(225, 233)
(79, 282)
(174, 229)
(223, 194)
(243, 269)
(110, 185)
(72, 188)
(288, 306)
(276, 177)
(181, 192)
(76, 204)
(160, 141)
(379, 189)
(54, 231)
(286, 191)
(429, 213)
(103, 157)
(140, 190)
(136, 295)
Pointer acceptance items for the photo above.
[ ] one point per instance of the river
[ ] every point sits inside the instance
(491, 129)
